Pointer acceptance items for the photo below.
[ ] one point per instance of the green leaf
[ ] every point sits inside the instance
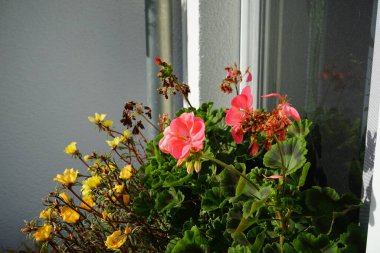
(300, 128)
(192, 241)
(142, 205)
(213, 199)
(236, 223)
(308, 243)
(168, 199)
(305, 171)
(272, 248)
(240, 249)
(292, 151)
(259, 242)
(252, 205)
(353, 240)
(176, 179)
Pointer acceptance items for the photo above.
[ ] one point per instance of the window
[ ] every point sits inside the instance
(319, 53)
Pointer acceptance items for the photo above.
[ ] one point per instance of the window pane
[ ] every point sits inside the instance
(319, 52)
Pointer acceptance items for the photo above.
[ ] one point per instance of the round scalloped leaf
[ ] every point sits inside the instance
(293, 151)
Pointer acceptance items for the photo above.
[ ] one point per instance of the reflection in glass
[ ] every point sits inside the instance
(319, 52)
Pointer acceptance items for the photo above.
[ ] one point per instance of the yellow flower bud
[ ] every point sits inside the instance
(126, 199)
(43, 233)
(48, 214)
(88, 205)
(68, 177)
(126, 172)
(115, 240)
(104, 215)
(127, 230)
(65, 197)
(71, 149)
(197, 166)
(86, 157)
(189, 167)
(69, 215)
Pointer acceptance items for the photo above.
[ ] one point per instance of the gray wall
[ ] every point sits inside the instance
(219, 45)
(60, 61)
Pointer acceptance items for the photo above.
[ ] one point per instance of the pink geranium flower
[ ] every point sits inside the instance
(184, 135)
(286, 110)
(240, 110)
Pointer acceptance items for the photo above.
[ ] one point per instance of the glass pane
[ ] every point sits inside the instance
(319, 52)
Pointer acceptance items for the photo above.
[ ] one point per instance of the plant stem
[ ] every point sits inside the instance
(150, 122)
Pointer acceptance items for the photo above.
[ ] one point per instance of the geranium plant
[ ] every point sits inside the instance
(212, 180)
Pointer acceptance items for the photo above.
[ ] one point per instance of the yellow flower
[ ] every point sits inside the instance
(127, 134)
(69, 215)
(86, 157)
(89, 202)
(65, 197)
(89, 184)
(98, 118)
(92, 182)
(43, 233)
(48, 213)
(71, 149)
(68, 178)
(126, 172)
(113, 144)
(126, 199)
(115, 240)
(107, 123)
(118, 189)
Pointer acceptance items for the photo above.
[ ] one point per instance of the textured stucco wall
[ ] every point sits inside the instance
(219, 38)
(60, 61)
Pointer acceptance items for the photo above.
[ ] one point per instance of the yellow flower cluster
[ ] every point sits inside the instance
(43, 233)
(89, 184)
(68, 177)
(99, 120)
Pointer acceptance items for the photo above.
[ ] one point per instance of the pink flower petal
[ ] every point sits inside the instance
(237, 134)
(291, 112)
(254, 149)
(234, 116)
(244, 100)
(273, 95)
(249, 77)
(274, 177)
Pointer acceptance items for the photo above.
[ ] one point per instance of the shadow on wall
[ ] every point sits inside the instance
(367, 192)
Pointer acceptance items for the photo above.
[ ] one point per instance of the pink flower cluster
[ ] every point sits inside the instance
(184, 135)
(243, 119)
